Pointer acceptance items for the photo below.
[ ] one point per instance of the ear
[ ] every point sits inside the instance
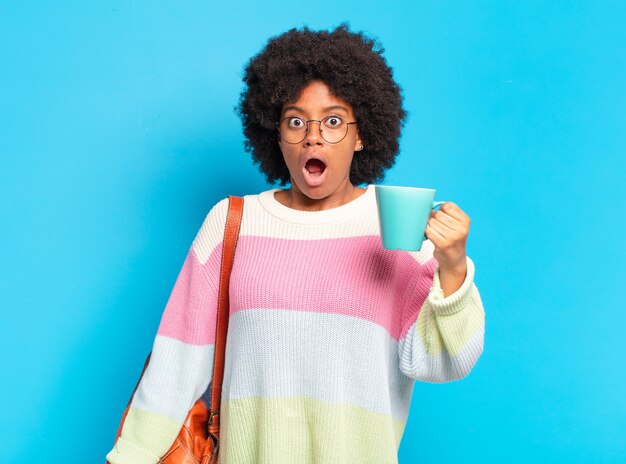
(358, 143)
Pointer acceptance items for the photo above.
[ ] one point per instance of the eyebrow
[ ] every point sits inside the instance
(324, 110)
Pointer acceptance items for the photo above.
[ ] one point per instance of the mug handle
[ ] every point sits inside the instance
(436, 204)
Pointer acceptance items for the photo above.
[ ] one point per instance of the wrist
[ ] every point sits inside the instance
(454, 270)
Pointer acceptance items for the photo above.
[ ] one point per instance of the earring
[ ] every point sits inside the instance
(361, 148)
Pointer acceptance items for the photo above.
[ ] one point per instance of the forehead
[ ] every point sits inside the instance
(317, 97)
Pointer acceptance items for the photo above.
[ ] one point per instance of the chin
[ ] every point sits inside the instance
(314, 193)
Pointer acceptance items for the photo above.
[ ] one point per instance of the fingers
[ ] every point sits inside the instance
(452, 216)
(449, 223)
(451, 209)
(440, 227)
(433, 234)
(446, 220)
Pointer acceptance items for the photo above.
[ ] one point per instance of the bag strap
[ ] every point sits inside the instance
(231, 233)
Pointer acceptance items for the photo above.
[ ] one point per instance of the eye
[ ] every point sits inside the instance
(333, 122)
(295, 123)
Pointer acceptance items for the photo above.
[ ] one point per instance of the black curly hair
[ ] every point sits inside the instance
(352, 66)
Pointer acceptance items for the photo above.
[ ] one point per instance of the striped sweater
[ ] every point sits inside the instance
(328, 332)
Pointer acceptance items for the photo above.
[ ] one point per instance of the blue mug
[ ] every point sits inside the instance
(403, 214)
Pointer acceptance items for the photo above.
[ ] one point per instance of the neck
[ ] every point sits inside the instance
(295, 199)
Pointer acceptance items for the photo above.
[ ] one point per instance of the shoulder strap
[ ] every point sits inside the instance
(231, 233)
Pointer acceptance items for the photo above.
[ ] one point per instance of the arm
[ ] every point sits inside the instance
(181, 363)
(446, 339)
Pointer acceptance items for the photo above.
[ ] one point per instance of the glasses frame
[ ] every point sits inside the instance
(306, 132)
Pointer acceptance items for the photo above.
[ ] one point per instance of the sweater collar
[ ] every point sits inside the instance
(340, 213)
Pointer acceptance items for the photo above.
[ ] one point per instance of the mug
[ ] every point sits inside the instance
(403, 214)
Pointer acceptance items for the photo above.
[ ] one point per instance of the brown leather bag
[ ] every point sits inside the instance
(198, 439)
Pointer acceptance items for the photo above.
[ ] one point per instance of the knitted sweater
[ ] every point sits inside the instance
(328, 332)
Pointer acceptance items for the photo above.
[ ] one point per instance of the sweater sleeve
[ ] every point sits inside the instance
(181, 363)
(445, 340)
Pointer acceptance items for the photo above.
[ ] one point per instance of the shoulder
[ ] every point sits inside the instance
(211, 231)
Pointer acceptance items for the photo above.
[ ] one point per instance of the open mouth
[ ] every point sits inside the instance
(315, 166)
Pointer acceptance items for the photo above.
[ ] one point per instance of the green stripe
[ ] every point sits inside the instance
(147, 433)
(450, 332)
(301, 430)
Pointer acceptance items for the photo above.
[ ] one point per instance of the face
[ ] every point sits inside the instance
(318, 169)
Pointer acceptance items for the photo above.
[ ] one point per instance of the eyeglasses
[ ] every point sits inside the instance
(294, 129)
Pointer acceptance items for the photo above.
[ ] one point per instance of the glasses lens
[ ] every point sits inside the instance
(333, 129)
(292, 129)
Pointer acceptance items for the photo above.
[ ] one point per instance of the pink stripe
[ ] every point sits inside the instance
(382, 286)
(189, 315)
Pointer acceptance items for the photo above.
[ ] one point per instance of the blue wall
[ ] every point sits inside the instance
(117, 134)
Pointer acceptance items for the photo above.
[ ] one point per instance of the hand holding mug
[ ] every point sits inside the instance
(407, 217)
(448, 229)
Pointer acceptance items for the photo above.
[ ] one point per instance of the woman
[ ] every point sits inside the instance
(328, 331)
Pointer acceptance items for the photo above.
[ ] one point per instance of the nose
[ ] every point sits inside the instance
(313, 133)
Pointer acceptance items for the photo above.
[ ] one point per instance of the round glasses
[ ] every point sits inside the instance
(294, 129)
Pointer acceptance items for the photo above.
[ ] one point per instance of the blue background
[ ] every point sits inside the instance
(118, 134)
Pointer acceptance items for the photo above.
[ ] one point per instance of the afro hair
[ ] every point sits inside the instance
(352, 66)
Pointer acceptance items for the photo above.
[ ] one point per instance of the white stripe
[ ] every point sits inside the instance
(441, 367)
(328, 357)
(175, 378)
(211, 232)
